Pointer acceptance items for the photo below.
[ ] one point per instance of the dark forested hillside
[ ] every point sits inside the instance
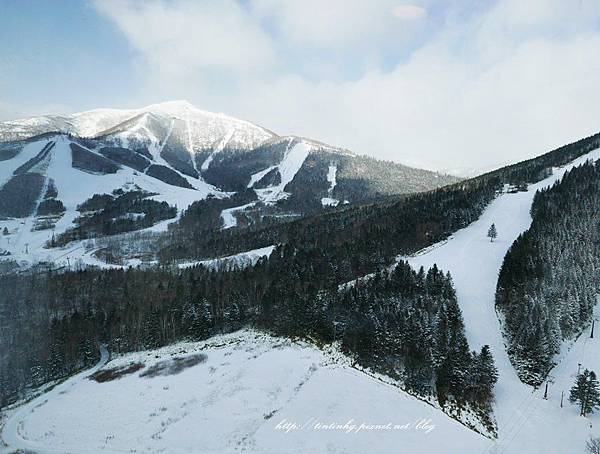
(359, 239)
(404, 323)
(550, 277)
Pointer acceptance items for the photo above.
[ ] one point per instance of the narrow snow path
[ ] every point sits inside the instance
(331, 178)
(228, 216)
(22, 242)
(256, 177)
(190, 146)
(218, 149)
(294, 157)
(12, 432)
(28, 152)
(241, 260)
(526, 422)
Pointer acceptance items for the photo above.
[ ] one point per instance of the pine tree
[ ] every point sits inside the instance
(484, 375)
(492, 233)
(593, 446)
(586, 392)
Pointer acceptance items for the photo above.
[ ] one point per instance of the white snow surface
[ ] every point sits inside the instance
(255, 178)
(241, 260)
(206, 128)
(331, 178)
(238, 400)
(526, 422)
(289, 166)
(228, 216)
(74, 186)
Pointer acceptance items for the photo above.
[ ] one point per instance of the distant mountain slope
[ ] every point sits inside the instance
(175, 154)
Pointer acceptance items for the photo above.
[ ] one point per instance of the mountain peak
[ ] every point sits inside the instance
(179, 105)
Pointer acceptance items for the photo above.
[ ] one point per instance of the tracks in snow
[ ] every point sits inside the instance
(13, 430)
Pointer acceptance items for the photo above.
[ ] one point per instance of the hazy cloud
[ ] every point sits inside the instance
(184, 36)
(447, 85)
(409, 12)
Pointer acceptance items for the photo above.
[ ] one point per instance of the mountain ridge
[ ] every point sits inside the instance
(125, 163)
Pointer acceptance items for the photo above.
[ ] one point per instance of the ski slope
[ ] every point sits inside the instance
(228, 215)
(289, 166)
(241, 260)
(526, 422)
(245, 396)
(331, 178)
(74, 186)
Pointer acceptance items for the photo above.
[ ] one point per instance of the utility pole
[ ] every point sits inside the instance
(578, 368)
(592, 334)
(562, 394)
(546, 392)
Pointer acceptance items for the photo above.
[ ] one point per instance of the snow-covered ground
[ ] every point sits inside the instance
(251, 393)
(240, 260)
(228, 215)
(289, 166)
(13, 433)
(526, 422)
(331, 178)
(74, 187)
(292, 161)
(251, 385)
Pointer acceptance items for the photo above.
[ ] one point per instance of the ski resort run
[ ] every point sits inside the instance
(288, 168)
(331, 175)
(527, 423)
(244, 392)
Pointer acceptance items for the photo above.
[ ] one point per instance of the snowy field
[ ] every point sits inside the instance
(527, 423)
(248, 393)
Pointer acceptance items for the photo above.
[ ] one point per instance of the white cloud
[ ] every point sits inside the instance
(185, 36)
(483, 89)
(409, 12)
(335, 24)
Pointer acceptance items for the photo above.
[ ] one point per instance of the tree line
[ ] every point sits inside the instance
(404, 323)
(550, 278)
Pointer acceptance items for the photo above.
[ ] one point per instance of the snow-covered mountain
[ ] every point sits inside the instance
(202, 129)
(51, 167)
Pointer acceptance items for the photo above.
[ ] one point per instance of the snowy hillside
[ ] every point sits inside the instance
(74, 186)
(202, 129)
(244, 392)
(526, 422)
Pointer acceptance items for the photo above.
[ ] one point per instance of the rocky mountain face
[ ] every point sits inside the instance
(107, 171)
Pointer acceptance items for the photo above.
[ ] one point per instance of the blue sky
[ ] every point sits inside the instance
(424, 82)
(61, 53)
